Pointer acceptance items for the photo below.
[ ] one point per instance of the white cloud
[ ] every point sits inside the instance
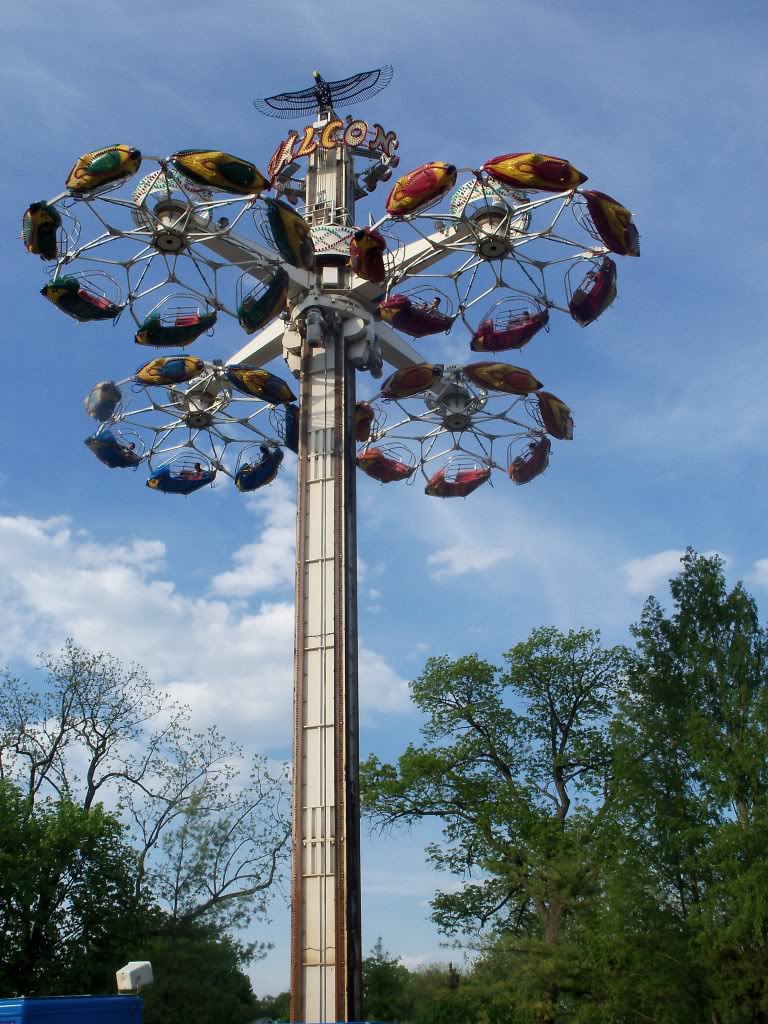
(463, 549)
(641, 575)
(419, 649)
(381, 688)
(532, 558)
(233, 666)
(467, 556)
(269, 561)
(416, 960)
(533, 544)
(759, 574)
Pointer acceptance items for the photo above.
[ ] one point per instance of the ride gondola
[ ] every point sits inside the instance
(251, 475)
(183, 475)
(115, 450)
(457, 479)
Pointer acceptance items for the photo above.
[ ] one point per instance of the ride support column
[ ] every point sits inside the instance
(325, 921)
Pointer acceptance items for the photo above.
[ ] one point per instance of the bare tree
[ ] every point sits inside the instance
(209, 844)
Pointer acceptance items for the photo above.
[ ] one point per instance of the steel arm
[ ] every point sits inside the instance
(395, 350)
(263, 348)
(256, 260)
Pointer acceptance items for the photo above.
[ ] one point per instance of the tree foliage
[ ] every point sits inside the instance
(95, 729)
(384, 985)
(198, 978)
(692, 747)
(67, 898)
(193, 845)
(607, 812)
(427, 995)
(517, 767)
(277, 1008)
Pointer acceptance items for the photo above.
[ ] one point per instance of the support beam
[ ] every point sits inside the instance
(256, 260)
(263, 348)
(325, 923)
(395, 350)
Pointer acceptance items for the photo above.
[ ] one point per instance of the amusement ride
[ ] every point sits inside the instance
(164, 247)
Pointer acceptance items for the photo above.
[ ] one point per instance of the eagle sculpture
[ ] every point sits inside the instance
(326, 95)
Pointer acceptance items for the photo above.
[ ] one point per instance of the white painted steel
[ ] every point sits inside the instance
(325, 979)
(255, 260)
(318, 984)
(395, 349)
(263, 348)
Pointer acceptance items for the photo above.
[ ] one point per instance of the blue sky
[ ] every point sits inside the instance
(660, 103)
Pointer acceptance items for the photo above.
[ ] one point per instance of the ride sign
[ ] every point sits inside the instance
(330, 136)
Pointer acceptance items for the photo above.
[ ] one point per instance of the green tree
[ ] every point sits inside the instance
(385, 983)
(198, 844)
(274, 1007)
(209, 844)
(198, 978)
(67, 897)
(692, 751)
(465, 1005)
(517, 767)
(439, 992)
(219, 862)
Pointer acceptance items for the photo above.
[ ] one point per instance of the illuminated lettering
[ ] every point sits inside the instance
(387, 142)
(331, 137)
(378, 138)
(356, 133)
(327, 139)
(283, 155)
(391, 144)
(308, 143)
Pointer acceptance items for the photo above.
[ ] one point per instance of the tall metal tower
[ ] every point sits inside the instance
(327, 328)
(325, 878)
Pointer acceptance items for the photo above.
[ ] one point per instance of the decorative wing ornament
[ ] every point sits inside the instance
(324, 94)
